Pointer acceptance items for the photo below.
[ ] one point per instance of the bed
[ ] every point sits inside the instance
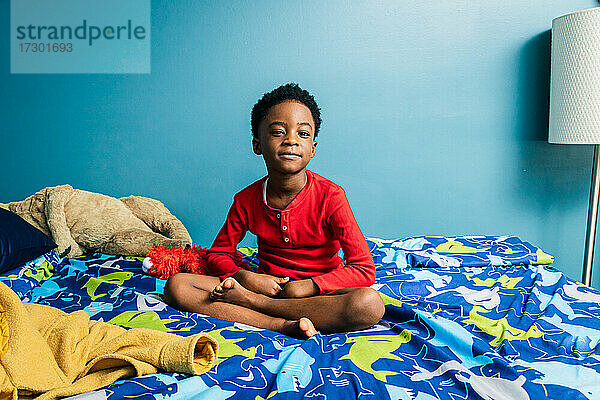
(477, 317)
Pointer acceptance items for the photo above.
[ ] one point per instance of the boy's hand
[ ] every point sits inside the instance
(300, 288)
(260, 283)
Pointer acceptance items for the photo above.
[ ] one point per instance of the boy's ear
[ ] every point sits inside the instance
(314, 149)
(256, 146)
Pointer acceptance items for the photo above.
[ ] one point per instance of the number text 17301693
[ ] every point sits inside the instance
(35, 47)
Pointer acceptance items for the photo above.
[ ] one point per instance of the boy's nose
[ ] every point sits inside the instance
(291, 138)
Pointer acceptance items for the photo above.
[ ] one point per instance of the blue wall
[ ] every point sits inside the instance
(435, 116)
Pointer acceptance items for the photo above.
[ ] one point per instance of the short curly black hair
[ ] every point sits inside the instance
(289, 91)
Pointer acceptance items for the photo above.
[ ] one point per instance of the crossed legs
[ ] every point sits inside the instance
(339, 311)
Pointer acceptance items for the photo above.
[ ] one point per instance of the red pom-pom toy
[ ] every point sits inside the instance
(162, 262)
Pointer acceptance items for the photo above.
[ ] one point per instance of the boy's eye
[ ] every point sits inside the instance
(304, 134)
(277, 133)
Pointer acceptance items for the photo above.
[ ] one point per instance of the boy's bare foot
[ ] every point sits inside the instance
(300, 329)
(231, 291)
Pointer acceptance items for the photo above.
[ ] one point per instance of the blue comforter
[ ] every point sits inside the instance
(467, 317)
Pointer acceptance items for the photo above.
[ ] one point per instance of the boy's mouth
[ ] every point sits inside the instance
(289, 156)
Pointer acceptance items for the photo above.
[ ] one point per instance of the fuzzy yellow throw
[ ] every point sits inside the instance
(46, 353)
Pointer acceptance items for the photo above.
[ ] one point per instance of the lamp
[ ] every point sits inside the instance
(575, 100)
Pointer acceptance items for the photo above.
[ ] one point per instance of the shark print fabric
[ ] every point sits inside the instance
(467, 317)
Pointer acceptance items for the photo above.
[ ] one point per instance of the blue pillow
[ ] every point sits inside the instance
(456, 251)
(20, 242)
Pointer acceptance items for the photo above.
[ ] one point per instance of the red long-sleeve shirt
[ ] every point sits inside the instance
(302, 241)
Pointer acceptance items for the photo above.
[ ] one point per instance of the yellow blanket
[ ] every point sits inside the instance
(47, 353)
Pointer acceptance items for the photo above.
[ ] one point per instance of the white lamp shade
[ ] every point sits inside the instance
(575, 79)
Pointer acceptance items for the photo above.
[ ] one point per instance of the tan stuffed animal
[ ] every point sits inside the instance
(93, 222)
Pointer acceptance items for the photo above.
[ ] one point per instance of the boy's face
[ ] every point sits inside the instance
(286, 138)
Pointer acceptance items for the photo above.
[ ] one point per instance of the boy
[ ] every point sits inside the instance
(300, 219)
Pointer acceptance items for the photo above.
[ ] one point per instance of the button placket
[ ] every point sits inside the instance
(284, 228)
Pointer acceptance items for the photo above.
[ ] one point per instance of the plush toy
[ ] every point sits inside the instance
(163, 262)
(80, 222)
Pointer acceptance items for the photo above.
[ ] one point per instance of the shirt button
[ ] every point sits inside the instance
(278, 215)
(287, 239)
(284, 227)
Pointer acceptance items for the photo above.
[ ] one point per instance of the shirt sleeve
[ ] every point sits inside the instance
(359, 270)
(220, 255)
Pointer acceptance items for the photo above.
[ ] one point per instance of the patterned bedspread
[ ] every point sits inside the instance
(467, 317)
